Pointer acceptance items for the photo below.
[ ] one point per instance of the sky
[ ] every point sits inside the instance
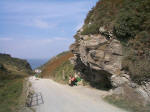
(38, 29)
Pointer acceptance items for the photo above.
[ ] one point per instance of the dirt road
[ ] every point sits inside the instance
(62, 98)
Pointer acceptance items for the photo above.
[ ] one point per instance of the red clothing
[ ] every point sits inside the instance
(73, 79)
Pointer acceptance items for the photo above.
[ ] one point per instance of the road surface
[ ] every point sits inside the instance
(62, 98)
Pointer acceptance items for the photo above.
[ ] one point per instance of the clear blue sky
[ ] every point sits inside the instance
(40, 28)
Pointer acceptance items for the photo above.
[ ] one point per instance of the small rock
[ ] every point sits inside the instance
(118, 91)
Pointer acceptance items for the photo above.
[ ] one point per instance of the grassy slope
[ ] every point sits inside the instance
(10, 91)
(19, 66)
(125, 17)
(12, 74)
(62, 72)
(57, 66)
(11, 85)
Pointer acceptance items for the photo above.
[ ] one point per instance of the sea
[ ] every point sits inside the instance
(35, 63)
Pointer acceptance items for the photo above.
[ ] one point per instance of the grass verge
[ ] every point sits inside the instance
(10, 90)
(126, 104)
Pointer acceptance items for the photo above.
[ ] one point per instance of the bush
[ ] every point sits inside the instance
(125, 17)
(129, 19)
(91, 29)
(139, 68)
(137, 57)
(127, 25)
(104, 13)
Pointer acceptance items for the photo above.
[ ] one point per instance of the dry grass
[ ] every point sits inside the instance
(51, 66)
(130, 101)
(137, 57)
(124, 103)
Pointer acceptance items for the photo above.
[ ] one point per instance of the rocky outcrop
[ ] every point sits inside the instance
(98, 53)
(98, 58)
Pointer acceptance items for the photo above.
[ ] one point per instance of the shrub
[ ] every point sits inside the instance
(127, 25)
(137, 57)
(129, 20)
(125, 17)
(91, 29)
(102, 14)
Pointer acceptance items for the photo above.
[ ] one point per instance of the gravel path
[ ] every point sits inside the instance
(62, 98)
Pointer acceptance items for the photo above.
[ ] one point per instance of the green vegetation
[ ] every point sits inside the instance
(15, 64)
(59, 68)
(91, 29)
(132, 19)
(127, 104)
(130, 22)
(125, 17)
(12, 73)
(10, 90)
(62, 72)
(137, 57)
(103, 14)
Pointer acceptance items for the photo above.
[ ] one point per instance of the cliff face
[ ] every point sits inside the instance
(99, 50)
(99, 53)
(98, 58)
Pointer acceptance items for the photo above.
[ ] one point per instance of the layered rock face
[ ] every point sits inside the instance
(98, 58)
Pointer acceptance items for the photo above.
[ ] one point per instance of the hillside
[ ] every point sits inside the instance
(111, 52)
(113, 49)
(57, 66)
(129, 22)
(18, 66)
(12, 74)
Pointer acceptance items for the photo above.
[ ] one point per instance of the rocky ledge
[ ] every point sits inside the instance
(98, 59)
